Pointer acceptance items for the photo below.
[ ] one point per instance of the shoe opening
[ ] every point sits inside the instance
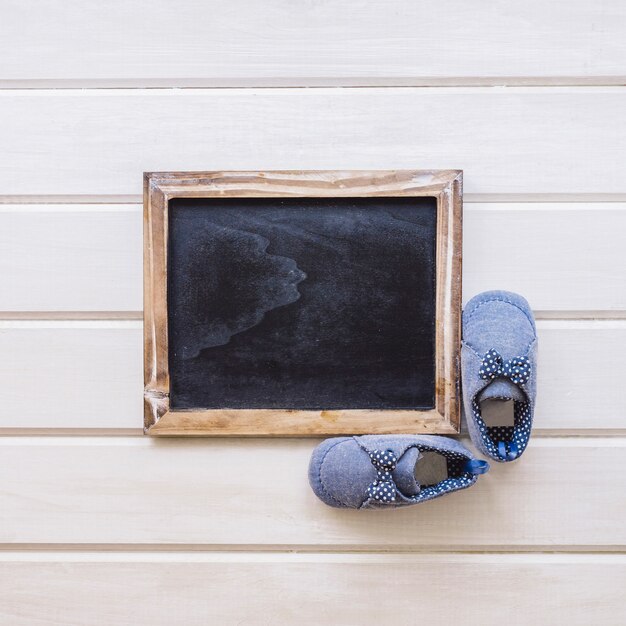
(504, 425)
(441, 471)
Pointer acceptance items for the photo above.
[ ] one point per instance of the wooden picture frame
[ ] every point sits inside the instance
(443, 185)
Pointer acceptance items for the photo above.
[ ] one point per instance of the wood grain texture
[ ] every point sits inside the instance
(226, 493)
(515, 140)
(560, 256)
(70, 257)
(88, 257)
(163, 589)
(159, 188)
(59, 371)
(143, 43)
(72, 374)
(123, 496)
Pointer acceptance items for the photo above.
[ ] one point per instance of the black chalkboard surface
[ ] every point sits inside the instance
(302, 303)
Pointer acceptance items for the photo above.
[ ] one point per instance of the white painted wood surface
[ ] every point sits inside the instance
(344, 589)
(136, 491)
(59, 371)
(564, 257)
(72, 374)
(79, 257)
(507, 141)
(116, 529)
(87, 257)
(243, 42)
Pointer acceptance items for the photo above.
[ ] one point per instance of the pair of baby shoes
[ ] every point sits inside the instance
(498, 363)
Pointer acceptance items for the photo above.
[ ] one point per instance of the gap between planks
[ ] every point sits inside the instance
(175, 91)
(134, 319)
(313, 82)
(551, 433)
(239, 553)
(468, 198)
(560, 441)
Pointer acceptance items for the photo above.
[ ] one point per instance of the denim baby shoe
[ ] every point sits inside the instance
(499, 373)
(375, 471)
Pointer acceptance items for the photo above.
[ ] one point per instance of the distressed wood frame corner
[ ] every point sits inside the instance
(161, 187)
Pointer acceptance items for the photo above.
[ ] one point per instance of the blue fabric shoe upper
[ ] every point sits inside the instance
(378, 471)
(498, 359)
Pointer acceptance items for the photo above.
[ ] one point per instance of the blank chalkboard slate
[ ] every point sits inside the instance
(279, 305)
(302, 303)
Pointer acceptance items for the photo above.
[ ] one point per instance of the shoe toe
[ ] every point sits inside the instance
(340, 472)
(499, 320)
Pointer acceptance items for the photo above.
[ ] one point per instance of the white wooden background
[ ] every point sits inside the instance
(99, 525)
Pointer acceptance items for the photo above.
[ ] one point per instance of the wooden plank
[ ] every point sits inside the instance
(71, 257)
(129, 491)
(197, 589)
(148, 43)
(78, 374)
(566, 350)
(88, 257)
(59, 370)
(537, 250)
(515, 140)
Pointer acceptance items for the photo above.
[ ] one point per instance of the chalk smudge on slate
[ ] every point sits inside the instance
(240, 282)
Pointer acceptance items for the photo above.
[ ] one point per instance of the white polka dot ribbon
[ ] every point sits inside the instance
(383, 489)
(494, 366)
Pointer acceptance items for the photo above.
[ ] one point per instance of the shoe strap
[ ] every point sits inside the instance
(508, 450)
(476, 467)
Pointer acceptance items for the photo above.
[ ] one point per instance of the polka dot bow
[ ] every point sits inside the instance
(383, 489)
(494, 366)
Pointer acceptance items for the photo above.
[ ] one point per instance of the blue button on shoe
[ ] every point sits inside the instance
(383, 471)
(499, 373)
